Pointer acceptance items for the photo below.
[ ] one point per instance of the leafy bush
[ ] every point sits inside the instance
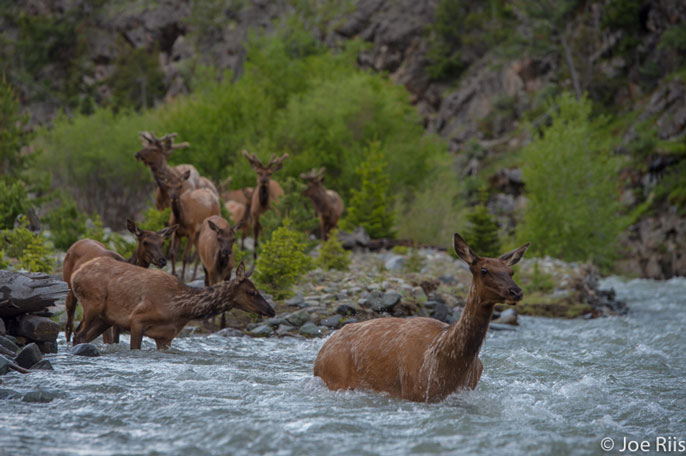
(572, 183)
(539, 281)
(13, 202)
(415, 262)
(332, 255)
(282, 262)
(13, 133)
(29, 249)
(293, 207)
(4, 261)
(67, 224)
(482, 233)
(154, 220)
(371, 205)
(674, 38)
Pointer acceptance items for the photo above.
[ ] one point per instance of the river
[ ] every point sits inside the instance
(551, 387)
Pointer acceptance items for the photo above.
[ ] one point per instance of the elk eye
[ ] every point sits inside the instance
(484, 271)
(252, 293)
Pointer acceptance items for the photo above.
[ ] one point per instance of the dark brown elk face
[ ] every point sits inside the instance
(174, 185)
(264, 172)
(151, 243)
(225, 240)
(492, 277)
(247, 297)
(156, 151)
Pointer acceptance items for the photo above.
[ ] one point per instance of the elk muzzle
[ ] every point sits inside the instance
(515, 294)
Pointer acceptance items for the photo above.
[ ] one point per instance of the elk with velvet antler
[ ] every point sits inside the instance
(422, 359)
(267, 191)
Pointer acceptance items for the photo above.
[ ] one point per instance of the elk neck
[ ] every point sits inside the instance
(462, 341)
(263, 194)
(200, 303)
(177, 210)
(137, 261)
(318, 197)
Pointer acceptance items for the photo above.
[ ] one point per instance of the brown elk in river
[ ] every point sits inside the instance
(148, 251)
(327, 203)
(267, 191)
(215, 248)
(153, 303)
(422, 359)
(189, 209)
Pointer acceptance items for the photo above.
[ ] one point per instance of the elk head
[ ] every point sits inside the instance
(264, 172)
(150, 243)
(174, 185)
(492, 277)
(314, 179)
(156, 151)
(225, 240)
(246, 296)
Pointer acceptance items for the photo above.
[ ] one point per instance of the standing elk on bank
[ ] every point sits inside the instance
(266, 193)
(238, 195)
(148, 251)
(189, 209)
(327, 203)
(240, 213)
(215, 248)
(153, 303)
(422, 359)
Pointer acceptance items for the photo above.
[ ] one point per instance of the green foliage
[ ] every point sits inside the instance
(282, 262)
(13, 202)
(482, 232)
(572, 184)
(674, 38)
(4, 261)
(672, 187)
(67, 224)
(464, 31)
(13, 133)
(137, 80)
(293, 207)
(400, 250)
(154, 220)
(539, 281)
(371, 205)
(414, 262)
(332, 255)
(30, 250)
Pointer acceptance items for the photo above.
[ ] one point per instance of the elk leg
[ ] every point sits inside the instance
(322, 229)
(92, 328)
(195, 268)
(256, 234)
(186, 254)
(136, 335)
(107, 336)
(172, 253)
(70, 304)
(115, 334)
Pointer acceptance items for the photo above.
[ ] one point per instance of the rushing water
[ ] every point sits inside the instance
(551, 387)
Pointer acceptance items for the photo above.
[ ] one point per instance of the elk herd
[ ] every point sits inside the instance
(419, 359)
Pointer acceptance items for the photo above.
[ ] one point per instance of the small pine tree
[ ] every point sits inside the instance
(282, 261)
(482, 233)
(30, 250)
(370, 205)
(292, 206)
(332, 255)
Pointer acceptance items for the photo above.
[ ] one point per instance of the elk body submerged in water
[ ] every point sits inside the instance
(422, 359)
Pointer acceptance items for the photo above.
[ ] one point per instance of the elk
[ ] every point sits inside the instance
(153, 303)
(422, 359)
(240, 213)
(327, 203)
(148, 251)
(189, 209)
(214, 245)
(154, 155)
(237, 195)
(267, 191)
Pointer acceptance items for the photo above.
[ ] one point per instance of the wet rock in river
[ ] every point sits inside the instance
(6, 393)
(36, 328)
(7, 343)
(386, 302)
(229, 332)
(3, 329)
(262, 331)
(508, 317)
(85, 350)
(285, 329)
(4, 365)
(298, 318)
(39, 396)
(333, 321)
(309, 329)
(28, 356)
(48, 347)
(296, 301)
(43, 364)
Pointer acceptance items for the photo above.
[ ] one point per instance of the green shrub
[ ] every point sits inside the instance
(154, 220)
(539, 281)
(67, 224)
(400, 250)
(13, 202)
(414, 262)
(572, 184)
(29, 249)
(282, 262)
(13, 133)
(370, 204)
(674, 38)
(294, 207)
(332, 255)
(482, 232)
(4, 261)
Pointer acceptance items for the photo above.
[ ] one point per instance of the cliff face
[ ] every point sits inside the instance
(481, 109)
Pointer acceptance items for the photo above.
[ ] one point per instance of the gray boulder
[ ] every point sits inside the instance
(4, 365)
(262, 331)
(85, 350)
(309, 329)
(8, 344)
(298, 318)
(387, 301)
(345, 309)
(28, 356)
(333, 321)
(39, 396)
(3, 329)
(36, 328)
(6, 393)
(508, 317)
(285, 329)
(394, 262)
(43, 364)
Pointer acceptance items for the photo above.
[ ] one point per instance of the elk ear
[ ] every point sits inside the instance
(240, 272)
(464, 251)
(131, 226)
(212, 226)
(167, 232)
(186, 175)
(513, 257)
